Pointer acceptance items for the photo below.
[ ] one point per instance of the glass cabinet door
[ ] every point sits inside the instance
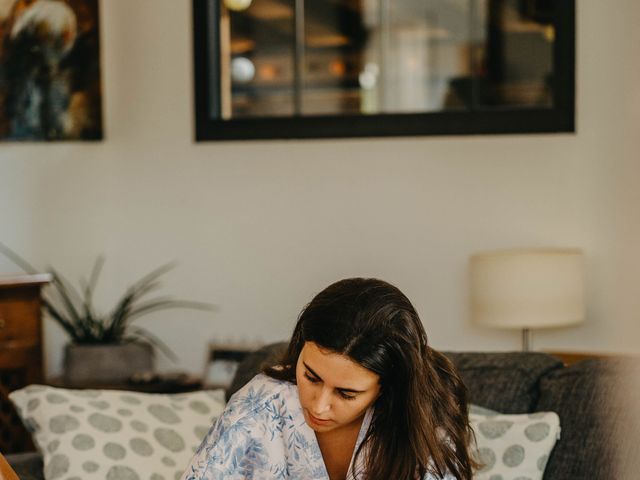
(515, 55)
(391, 59)
(257, 60)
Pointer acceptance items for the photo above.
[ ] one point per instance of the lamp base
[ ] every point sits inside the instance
(526, 340)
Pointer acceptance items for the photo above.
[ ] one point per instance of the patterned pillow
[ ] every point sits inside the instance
(514, 447)
(477, 409)
(116, 435)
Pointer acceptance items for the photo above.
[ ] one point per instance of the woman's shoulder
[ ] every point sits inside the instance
(258, 395)
(264, 384)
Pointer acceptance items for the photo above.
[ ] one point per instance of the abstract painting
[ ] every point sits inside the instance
(50, 70)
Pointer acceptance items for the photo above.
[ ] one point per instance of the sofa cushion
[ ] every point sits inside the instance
(98, 434)
(506, 382)
(599, 428)
(511, 446)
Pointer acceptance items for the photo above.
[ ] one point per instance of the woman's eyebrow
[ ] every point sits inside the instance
(350, 390)
(311, 370)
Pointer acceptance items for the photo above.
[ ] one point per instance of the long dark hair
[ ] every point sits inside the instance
(420, 421)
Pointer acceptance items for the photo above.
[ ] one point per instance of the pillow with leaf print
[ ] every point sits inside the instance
(513, 447)
(116, 435)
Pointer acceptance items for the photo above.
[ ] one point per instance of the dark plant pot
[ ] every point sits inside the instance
(105, 364)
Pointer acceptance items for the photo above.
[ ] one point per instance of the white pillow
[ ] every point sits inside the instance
(116, 435)
(514, 447)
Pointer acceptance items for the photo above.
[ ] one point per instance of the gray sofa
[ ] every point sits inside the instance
(596, 430)
(598, 437)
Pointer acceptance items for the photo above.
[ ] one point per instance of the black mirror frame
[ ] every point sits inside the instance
(558, 119)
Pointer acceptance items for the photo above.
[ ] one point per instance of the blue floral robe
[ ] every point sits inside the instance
(262, 435)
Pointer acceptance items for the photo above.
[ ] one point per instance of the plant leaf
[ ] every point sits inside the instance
(153, 340)
(64, 323)
(166, 303)
(17, 259)
(67, 295)
(95, 274)
(116, 325)
(89, 288)
(153, 275)
(75, 313)
(120, 316)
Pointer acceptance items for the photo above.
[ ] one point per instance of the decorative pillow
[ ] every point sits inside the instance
(514, 447)
(116, 435)
(478, 410)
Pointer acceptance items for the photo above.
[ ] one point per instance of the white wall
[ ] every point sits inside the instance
(259, 227)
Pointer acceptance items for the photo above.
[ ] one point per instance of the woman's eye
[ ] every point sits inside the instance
(347, 396)
(310, 378)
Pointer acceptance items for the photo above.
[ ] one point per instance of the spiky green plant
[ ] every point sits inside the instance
(74, 311)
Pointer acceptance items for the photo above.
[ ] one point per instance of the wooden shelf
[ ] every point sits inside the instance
(17, 281)
(568, 357)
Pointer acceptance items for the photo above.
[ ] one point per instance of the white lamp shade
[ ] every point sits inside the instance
(533, 288)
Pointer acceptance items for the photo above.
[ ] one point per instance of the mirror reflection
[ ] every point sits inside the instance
(352, 57)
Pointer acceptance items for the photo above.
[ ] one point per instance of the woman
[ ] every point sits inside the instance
(358, 395)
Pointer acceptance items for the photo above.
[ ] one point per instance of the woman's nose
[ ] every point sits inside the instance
(322, 402)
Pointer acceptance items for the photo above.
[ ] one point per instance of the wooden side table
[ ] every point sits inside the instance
(20, 351)
(161, 383)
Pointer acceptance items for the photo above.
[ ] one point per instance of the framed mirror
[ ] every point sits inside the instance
(267, 69)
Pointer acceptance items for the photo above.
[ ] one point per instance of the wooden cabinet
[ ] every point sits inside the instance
(20, 351)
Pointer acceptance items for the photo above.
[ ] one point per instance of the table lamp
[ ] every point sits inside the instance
(527, 289)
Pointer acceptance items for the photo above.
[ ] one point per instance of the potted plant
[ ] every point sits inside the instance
(105, 347)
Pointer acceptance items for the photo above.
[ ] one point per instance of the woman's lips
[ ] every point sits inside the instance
(318, 421)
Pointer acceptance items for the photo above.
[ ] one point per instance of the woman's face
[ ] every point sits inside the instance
(335, 391)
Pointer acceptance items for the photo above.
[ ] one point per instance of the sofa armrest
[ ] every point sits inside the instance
(253, 363)
(596, 405)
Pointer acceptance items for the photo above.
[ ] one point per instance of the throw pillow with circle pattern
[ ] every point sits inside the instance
(116, 435)
(513, 447)
(477, 409)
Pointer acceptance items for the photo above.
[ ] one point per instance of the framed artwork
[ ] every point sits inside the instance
(50, 85)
